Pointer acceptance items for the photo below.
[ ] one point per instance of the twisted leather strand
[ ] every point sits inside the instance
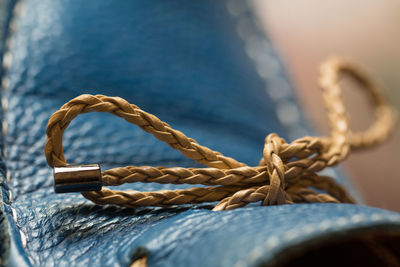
(286, 173)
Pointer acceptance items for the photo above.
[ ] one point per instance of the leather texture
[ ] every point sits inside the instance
(202, 66)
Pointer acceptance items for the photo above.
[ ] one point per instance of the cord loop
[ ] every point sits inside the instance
(287, 173)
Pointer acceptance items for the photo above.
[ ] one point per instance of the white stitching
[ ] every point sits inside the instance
(7, 61)
(23, 238)
(10, 196)
(267, 66)
(14, 215)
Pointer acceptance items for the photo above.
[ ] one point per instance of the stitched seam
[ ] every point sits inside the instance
(257, 46)
(273, 242)
(6, 63)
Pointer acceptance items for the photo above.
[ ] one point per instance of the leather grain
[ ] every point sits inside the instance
(183, 61)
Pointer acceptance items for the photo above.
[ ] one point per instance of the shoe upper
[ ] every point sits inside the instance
(202, 66)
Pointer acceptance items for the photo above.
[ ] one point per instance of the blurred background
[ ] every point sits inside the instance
(305, 33)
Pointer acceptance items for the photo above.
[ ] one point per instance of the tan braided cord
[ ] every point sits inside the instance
(287, 172)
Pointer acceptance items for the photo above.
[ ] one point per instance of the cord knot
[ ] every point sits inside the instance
(276, 170)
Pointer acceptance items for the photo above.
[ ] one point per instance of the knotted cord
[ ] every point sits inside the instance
(287, 173)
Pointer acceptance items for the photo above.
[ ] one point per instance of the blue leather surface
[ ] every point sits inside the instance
(183, 61)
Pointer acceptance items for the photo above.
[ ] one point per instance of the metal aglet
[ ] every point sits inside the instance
(77, 178)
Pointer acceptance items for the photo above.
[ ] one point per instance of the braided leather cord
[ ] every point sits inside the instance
(287, 173)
